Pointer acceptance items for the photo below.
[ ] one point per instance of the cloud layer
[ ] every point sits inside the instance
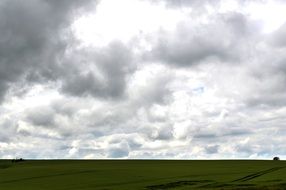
(208, 83)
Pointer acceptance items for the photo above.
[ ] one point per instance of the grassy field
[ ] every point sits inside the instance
(142, 174)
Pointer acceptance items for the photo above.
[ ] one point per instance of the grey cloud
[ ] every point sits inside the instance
(113, 64)
(31, 36)
(66, 106)
(200, 4)
(278, 38)
(223, 130)
(34, 47)
(192, 2)
(118, 150)
(159, 132)
(8, 128)
(267, 83)
(212, 149)
(156, 91)
(188, 3)
(259, 147)
(57, 120)
(81, 152)
(165, 133)
(193, 44)
(53, 149)
(269, 99)
(41, 116)
(117, 153)
(238, 132)
(134, 144)
(205, 136)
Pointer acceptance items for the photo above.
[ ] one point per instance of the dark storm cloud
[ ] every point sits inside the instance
(31, 36)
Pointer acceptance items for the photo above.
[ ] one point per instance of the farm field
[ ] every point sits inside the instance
(142, 174)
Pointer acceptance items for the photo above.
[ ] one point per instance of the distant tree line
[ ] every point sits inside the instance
(17, 160)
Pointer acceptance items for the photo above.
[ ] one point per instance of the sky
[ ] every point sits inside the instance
(142, 79)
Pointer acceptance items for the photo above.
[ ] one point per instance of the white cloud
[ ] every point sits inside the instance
(123, 20)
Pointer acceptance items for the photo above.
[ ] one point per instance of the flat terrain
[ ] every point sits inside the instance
(142, 174)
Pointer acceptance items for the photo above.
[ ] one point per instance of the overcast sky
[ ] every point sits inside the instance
(180, 79)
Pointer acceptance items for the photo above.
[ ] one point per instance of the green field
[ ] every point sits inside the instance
(142, 174)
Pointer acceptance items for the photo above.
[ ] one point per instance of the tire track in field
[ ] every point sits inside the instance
(216, 185)
(257, 174)
(46, 176)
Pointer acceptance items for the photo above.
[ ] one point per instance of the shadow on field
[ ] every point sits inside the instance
(200, 184)
(218, 185)
(177, 184)
(47, 176)
(205, 184)
(4, 165)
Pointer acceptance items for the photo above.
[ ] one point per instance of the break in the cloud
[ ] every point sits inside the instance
(142, 79)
